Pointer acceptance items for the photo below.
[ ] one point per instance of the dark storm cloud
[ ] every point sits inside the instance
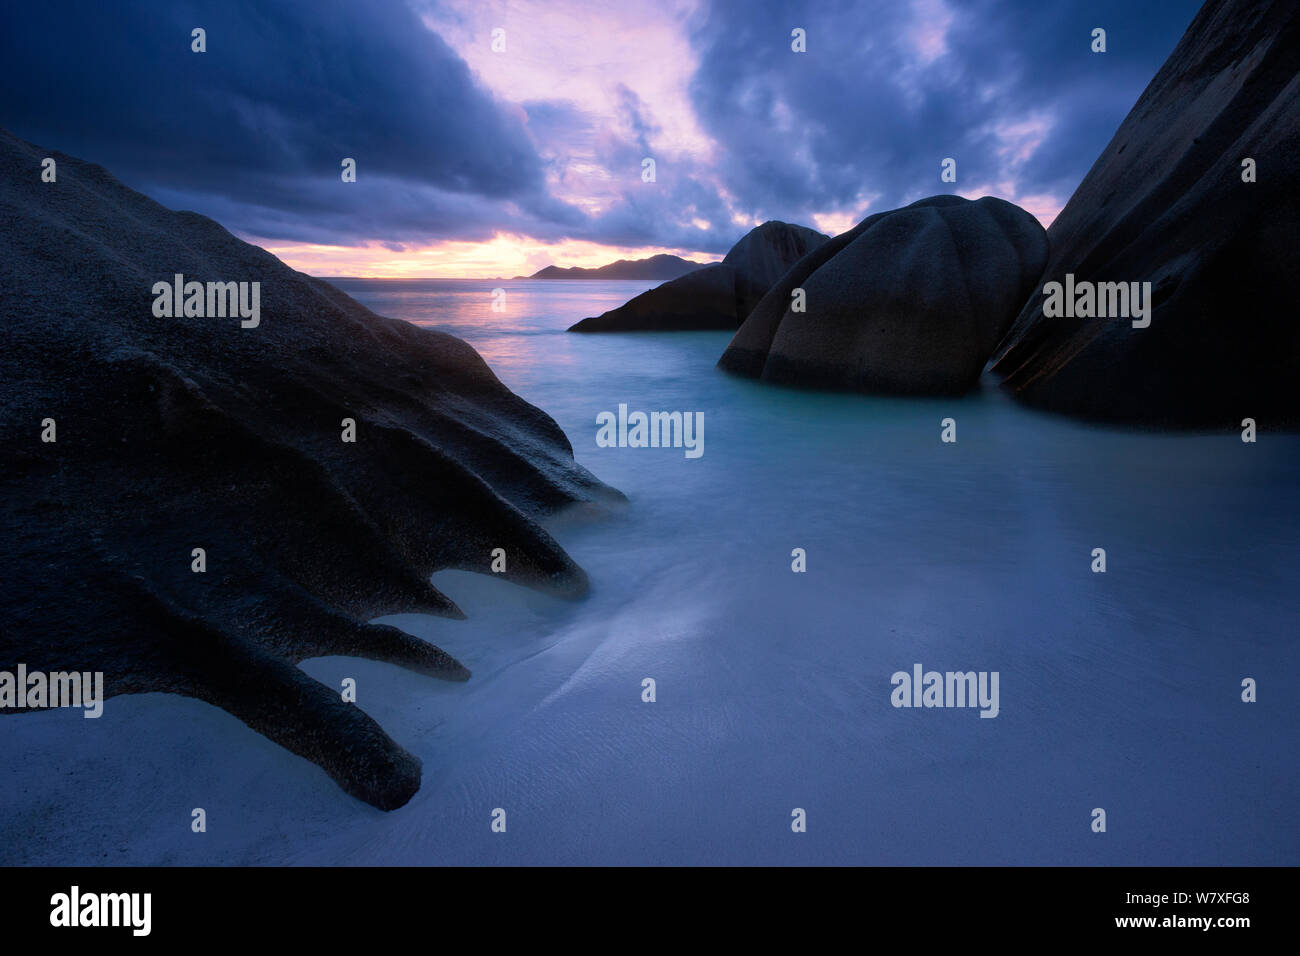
(886, 91)
(252, 131)
(258, 125)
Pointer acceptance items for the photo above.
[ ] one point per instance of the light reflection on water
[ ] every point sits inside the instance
(505, 339)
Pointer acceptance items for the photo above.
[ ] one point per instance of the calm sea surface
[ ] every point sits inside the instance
(1119, 690)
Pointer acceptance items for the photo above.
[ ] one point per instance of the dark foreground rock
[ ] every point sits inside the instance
(180, 433)
(909, 301)
(1166, 204)
(718, 296)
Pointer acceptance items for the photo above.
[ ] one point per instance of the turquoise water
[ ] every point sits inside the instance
(1118, 691)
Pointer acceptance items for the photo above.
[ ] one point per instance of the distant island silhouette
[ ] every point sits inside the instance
(656, 267)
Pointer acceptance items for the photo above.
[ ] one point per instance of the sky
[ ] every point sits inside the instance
(495, 137)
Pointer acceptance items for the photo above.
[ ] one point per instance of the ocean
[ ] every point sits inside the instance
(774, 689)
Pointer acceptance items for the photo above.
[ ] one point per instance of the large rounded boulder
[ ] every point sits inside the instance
(1197, 198)
(316, 465)
(720, 295)
(910, 301)
(763, 255)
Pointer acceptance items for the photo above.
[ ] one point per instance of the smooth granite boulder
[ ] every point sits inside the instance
(133, 438)
(1167, 203)
(718, 296)
(910, 301)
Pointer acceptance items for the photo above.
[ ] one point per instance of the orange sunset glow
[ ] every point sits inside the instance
(504, 256)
